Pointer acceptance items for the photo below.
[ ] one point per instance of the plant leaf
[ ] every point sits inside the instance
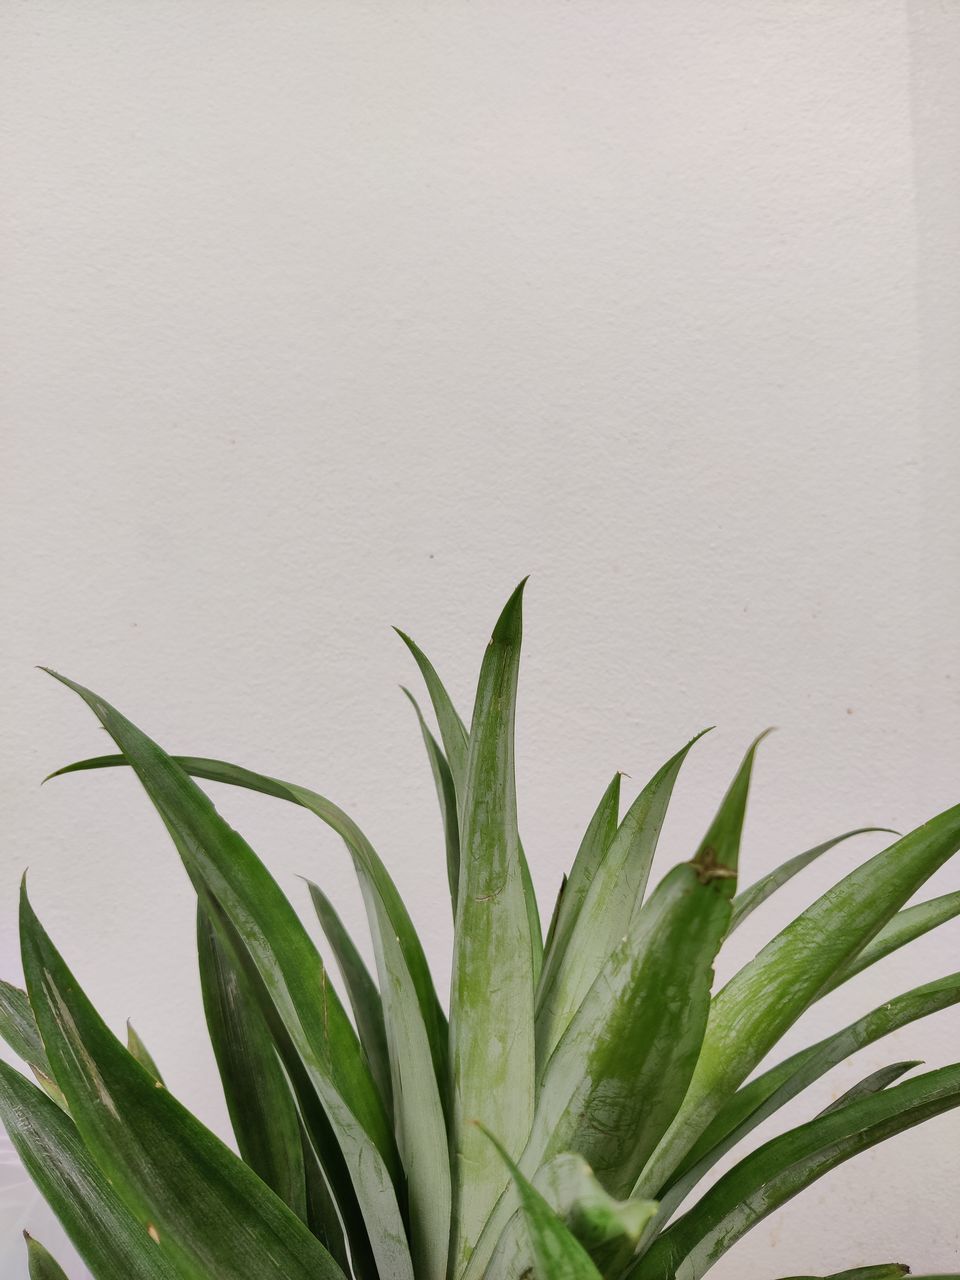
(452, 730)
(596, 841)
(41, 1265)
(18, 1027)
(557, 1254)
(745, 903)
(885, 1271)
(381, 899)
(262, 1111)
(447, 799)
(140, 1051)
(491, 1020)
(759, 1099)
(906, 926)
(220, 862)
(321, 1148)
(361, 991)
(622, 1067)
(608, 902)
(108, 1238)
(766, 997)
(873, 1083)
(207, 1209)
(785, 1166)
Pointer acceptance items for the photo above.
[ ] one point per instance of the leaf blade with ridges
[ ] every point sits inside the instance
(756, 1007)
(191, 1194)
(112, 1243)
(492, 990)
(261, 1108)
(220, 862)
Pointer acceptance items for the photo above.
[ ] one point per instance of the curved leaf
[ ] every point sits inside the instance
(614, 892)
(759, 1099)
(873, 1083)
(381, 898)
(785, 1166)
(745, 903)
(190, 1193)
(452, 729)
(113, 1244)
(222, 864)
(361, 991)
(262, 1111)
(905, 927)
(18, 1027)
(447, 799)
(766, 997)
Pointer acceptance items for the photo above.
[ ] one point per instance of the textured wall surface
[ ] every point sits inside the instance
(324, 316)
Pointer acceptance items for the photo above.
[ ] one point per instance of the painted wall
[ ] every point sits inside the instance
(320, 317)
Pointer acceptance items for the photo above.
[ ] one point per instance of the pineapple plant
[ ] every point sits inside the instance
(556, 1121)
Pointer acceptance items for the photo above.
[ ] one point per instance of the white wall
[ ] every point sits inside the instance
(325, 316)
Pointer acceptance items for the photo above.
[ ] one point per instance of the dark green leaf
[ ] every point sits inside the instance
(872, 1083)
(113, 1244)
(262, 1111)
(220, 862)
(18, 1027)
(907, 925)
(381, 899)
(785, 1166)
(207, 1210)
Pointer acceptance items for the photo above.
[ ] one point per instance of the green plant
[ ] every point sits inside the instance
(553, 1127)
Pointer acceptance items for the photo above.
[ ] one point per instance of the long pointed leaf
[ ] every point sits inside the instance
(596, 841)
(763, 1096)
(18, 1027)
(609, 901)
(747, 902)
(321, 1148)
(40, 1263)
(767, 996)
(785, 1166)
(873, 1083)
(447, 799)
(361, 991)
(192, 1195)
(452, 729)
(219, 861)
(381, 898)
(108, 1238)
(262, 1111)
(491, 1021)
(905, 927)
